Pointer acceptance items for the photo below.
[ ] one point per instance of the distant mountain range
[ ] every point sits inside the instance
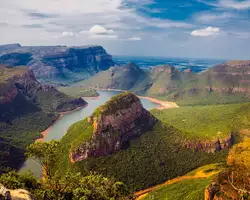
(223, 83)
(57, 63)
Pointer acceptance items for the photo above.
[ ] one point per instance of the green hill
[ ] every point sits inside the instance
(207, 122)
(154, 157)
(224, 83)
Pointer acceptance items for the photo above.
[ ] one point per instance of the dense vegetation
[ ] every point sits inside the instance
(207, 122)
(158, 154)
(71, 186)
(26, 109)
(18, 130)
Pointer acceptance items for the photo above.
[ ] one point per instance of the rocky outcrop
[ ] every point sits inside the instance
(18, 194)
(58, 61)
(21, 93)
(210, 146)
(115, 124)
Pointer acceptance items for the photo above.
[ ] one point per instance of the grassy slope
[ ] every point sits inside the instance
(158, 154)
(192, 189)
(184, 88)
(188, 187)
(207, 122)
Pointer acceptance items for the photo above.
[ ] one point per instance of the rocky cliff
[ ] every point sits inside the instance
(210, 146)
(115, 124)
(21, 92)
(18, 194)
(224, 83)
(58, 61)
(27, 108)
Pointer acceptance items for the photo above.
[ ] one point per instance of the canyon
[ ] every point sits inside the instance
(50, 63)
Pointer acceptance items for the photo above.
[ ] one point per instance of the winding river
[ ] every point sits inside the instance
(57, 131)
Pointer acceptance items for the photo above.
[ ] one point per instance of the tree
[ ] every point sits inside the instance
(45, 154)
(72, 186)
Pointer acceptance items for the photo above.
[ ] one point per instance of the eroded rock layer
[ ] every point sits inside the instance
(115, 124)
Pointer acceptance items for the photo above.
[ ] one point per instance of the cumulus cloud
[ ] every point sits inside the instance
(99, 30)
(209, 31)
(134, 38)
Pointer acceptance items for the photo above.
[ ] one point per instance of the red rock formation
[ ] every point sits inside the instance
(210, 146)
(119, 121)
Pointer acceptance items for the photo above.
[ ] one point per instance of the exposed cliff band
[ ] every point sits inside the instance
(64, 63)
(115, 124)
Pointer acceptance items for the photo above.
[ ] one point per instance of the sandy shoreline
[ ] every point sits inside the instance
(45, 133)
(162, 106)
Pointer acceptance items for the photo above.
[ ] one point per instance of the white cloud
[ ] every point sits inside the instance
(235, 4)
(134, 38)
(99, 30)
(232, 4)
(211, 17)
(209, 31)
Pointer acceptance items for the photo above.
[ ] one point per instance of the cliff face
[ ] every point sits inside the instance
(229, 77)
(27, 107)
(21, 93)
(210, 146)
(115, 124)
(58, 61)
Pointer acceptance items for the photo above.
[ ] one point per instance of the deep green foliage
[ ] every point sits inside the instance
(44, 152)
(80, 132)
(17, 135)
(155, 157)
(73, 186)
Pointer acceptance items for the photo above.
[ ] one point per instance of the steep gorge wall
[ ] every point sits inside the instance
(58, 61)
(210, 146)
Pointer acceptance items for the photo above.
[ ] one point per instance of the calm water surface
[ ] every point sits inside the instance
(58, 130)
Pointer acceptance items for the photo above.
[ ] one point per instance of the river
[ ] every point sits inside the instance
(57, 131)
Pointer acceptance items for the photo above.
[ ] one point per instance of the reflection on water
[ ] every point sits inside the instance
(58, 130)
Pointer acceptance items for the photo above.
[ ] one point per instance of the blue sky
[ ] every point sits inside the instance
(169, 28)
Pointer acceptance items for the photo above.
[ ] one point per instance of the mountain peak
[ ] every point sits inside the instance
(114, 125)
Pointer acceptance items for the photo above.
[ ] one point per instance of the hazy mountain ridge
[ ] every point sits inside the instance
(66, 64)
(185, 87)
